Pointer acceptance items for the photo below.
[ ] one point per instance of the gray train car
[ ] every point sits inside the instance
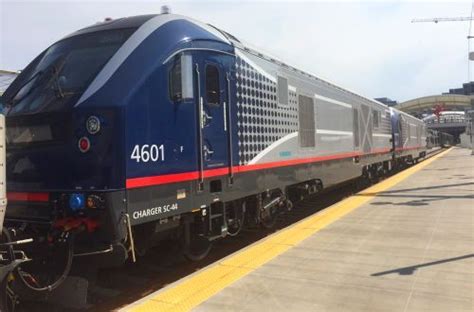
(337, 133)
(410, 137)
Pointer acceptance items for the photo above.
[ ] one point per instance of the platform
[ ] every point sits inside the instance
(405, 244)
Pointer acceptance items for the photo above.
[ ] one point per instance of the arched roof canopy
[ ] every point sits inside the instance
(426, 103)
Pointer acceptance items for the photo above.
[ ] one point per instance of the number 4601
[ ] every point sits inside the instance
(147, 152)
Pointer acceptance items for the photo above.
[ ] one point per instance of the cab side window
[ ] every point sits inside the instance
(181, 78)
(212, 85)
(175, 81)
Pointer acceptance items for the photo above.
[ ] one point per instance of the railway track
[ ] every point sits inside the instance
(165, 264)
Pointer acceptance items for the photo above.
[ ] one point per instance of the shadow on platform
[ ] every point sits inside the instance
(419, 200)
(418, 189)
(411, 269)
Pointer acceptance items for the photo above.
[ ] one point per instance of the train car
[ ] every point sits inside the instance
(438, 139)
(152, 127)
(409, 137)
(446, 139)
(432, 139)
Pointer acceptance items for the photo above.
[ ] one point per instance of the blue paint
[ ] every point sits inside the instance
(395, 119)
(135, 108)
(77, 202)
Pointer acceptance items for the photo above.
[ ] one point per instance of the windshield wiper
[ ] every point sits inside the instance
(12, 97)
(59, 89)
(56, 69)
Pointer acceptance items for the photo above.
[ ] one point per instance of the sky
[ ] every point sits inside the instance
(369, 47)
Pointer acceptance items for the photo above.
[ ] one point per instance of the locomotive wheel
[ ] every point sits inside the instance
(269, 218)
(269, 222)
(236, 221)
(198, 248)
(5, 302)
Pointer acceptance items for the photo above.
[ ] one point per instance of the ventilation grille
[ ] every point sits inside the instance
(307, 125)
(355, 122)
(282, 91)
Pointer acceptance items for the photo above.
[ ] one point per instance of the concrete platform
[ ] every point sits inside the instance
(404, 245)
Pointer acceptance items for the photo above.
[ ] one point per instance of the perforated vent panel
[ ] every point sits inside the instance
(260, 120)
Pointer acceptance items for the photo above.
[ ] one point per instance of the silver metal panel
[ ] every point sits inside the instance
(334, 112)
(366, 127)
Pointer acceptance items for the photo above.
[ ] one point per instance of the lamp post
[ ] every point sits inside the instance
(470, 127)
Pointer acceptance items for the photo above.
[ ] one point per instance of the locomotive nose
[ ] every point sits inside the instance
(62, 150)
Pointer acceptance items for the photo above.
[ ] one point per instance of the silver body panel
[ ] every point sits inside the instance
(269, 131)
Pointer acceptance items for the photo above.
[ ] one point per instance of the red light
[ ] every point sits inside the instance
(84, 144)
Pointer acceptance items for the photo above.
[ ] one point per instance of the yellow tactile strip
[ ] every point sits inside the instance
(193, 290)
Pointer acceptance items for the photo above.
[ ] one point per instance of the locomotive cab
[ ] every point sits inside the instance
(101, 123)
(63, 160)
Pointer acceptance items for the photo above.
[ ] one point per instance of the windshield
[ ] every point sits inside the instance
(63, 70)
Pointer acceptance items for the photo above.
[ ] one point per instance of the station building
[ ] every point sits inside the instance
(451, 107)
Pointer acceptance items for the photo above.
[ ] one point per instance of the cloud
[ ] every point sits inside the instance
(368, 47)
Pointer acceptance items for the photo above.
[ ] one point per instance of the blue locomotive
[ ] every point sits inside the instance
(145, 128)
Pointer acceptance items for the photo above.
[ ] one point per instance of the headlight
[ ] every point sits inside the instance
(93, 124)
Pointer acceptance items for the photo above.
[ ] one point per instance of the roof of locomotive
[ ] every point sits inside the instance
(249, 48)
(145, 26)
(120, 23)
(151, 22)
(154, 21)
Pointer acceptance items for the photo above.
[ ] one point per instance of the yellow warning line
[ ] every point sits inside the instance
(191, 291)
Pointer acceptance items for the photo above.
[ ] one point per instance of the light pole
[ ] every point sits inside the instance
(470, 127)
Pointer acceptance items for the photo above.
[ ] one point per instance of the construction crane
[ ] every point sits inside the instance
(469, 19)
(443, 19)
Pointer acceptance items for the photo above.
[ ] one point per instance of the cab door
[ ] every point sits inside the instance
(213, 70)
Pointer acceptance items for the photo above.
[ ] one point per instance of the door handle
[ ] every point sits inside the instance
(207, 152)
(225, 115)
(201, 117)
(205, 118)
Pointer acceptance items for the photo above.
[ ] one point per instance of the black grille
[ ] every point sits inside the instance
(28, 131)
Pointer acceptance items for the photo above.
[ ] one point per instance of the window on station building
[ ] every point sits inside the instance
(212, 85)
